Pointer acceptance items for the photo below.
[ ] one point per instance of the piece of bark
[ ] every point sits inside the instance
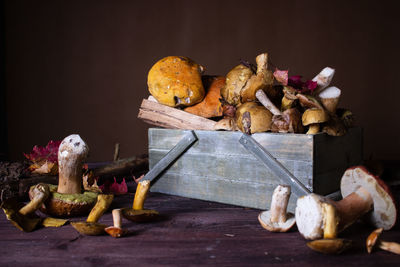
(168, 117)
(122, 166)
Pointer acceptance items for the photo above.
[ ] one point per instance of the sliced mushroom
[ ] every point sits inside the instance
(277, 219)
(363, 195)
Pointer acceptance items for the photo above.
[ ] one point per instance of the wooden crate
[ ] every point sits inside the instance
(218, 168)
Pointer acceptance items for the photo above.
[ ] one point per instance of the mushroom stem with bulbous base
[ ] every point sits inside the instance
(277, 219)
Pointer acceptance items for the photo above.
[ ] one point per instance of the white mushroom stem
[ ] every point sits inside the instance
(117, 219)
(279, 202)
(330, 98)
(324, 78)
(315, 218)
(262, 69)
(40, 193)
(390, 246)
(353, 207)
(71, 153)
(263, 98)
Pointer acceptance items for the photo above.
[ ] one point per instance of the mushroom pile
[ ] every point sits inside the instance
(251, 98)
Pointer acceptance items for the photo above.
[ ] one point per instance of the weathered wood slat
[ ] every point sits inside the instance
(246, 168)
(291, 146)
(218, 168)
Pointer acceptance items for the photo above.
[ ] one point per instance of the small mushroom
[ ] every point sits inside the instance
(116, 230)
(312, 118)
(330, 246)
(91, 226)
(277, 219)
(137, 213)
(253, 118)
(363, 195)
(373, 240)
(67, 199)
(22, 218)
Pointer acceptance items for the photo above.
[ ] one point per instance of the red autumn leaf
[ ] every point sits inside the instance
(47, 153)
(115, 188)
(44, 159)
(304, 87)
(295, 81)
(281, 76)
(310, 85)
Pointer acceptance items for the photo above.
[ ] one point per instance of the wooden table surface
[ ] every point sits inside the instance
(190, 232)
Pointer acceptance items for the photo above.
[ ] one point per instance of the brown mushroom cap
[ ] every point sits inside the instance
(384, 211)
(67, 205)
(139, 215)
(330, 246)
(236, 79)
(265, 220)
(314, 115)
(115, 231)
(176, 81)
(260, 117)
(89, 228)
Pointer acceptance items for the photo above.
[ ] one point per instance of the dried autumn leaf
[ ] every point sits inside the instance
(281, 76)
(44, 159)
(45, 168)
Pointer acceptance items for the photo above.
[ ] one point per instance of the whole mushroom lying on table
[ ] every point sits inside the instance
(363, 194)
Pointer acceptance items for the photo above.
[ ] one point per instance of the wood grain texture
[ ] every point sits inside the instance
(164, 116)
(190, 232)
(218, 168)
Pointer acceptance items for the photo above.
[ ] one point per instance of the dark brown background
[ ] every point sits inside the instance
(81, 66)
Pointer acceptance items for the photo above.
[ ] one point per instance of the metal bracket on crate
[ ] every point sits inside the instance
(274, 165)
(183, 144)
